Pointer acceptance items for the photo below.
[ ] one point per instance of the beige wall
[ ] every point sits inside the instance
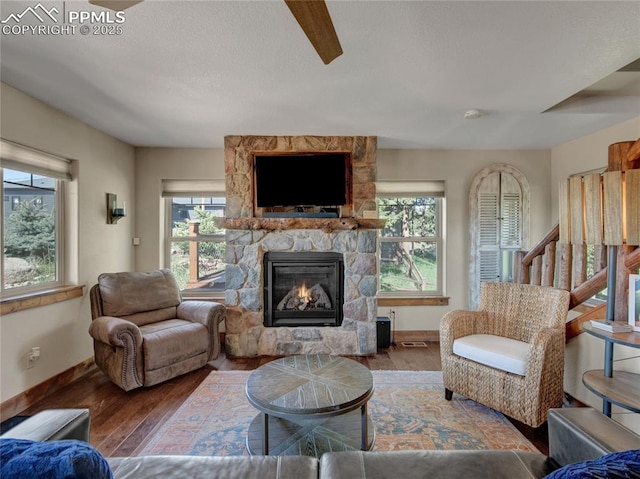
(458, 168)
(587, 153)
(103, 165)
(152, 166)
(585, 352)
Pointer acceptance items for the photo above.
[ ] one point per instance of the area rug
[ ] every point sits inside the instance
(408, 411)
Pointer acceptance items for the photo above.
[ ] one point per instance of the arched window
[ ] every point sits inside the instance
(499, 206)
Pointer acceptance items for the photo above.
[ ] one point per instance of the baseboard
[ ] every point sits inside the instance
(22, 401)
(418, 335)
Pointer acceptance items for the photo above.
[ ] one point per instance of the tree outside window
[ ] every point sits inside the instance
(29, 230)
(410, 246)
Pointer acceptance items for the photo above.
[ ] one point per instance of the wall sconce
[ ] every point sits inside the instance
(113, 212)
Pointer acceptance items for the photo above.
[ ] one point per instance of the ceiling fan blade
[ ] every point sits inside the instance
(117, 5)
(313, 16)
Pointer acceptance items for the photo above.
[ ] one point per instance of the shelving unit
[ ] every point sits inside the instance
(621, 389)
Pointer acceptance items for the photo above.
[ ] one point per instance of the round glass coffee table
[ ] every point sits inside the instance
(310, 404)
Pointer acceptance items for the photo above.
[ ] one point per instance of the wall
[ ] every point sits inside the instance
(587, 153)
(103, 165)
(152, 166)
(586, 352)
(458, 168)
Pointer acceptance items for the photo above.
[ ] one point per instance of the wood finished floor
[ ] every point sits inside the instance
(122, 421)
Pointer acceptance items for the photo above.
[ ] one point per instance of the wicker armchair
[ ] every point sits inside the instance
(517, 341)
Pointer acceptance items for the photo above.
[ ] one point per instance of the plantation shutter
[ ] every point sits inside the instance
(488, 207)
(511, 217)
(500, 225)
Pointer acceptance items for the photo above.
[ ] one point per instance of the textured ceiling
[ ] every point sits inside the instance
(187, 73)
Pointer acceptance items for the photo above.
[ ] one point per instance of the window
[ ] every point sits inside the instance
(196, 237)
(33, 192)
(411, 244)
(500, 221)
(499, 225)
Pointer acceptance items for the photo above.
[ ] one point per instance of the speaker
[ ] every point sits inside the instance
(383, 329)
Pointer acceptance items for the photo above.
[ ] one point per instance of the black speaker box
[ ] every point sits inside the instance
(383, 328)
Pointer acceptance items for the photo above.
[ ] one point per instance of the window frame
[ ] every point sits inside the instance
(409, 189)
(189, 189)
(60, 249)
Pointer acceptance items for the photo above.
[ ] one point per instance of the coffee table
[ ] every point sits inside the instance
(310, 404)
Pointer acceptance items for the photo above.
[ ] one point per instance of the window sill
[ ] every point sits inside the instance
(415, 301)
(40, 298)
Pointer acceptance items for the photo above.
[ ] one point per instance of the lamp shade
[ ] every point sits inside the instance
(601, 208)
(613, 208)
(632, 206)
(593, 222)
(621, 207)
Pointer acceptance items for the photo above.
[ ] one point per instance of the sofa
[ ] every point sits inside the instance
(575, 435)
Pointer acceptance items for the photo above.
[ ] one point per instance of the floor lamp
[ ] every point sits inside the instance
(602, 208)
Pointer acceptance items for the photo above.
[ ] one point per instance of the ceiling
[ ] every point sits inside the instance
(187, 73)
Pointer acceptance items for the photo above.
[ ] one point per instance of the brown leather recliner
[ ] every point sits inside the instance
(143, 333)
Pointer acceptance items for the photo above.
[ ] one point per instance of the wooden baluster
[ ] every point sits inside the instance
(517, 266)
(549, 264)
(564, 266)
(525, 274)
(536, 270)
(579, 264)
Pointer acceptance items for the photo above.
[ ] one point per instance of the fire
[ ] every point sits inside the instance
(304, 294)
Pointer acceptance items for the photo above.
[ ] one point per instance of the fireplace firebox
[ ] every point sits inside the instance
(303, 288)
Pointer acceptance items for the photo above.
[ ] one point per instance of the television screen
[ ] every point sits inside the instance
(315, 179)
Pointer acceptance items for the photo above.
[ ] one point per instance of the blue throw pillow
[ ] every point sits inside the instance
(68, 459)
(618, 465)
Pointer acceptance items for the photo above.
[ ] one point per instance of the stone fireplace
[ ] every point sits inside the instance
(345, 328)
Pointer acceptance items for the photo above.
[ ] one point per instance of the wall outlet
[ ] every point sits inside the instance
(32, 357)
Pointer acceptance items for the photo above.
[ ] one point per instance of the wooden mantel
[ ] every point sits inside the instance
(325, 224)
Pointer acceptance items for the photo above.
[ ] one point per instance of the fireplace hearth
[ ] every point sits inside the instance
(303, 288)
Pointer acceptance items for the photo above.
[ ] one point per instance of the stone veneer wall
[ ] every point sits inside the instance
(246, 335)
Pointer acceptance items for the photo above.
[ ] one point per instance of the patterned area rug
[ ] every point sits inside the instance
(408, 411)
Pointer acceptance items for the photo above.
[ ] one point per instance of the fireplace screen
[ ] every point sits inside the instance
(303, 289)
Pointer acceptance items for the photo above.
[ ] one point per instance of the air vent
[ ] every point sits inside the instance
(414, 344)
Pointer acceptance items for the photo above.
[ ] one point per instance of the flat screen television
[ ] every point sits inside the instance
(313, 179)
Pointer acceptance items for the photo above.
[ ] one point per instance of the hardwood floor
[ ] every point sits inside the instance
(122, 421)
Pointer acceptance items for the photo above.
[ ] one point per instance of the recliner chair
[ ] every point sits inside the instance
(144, 334)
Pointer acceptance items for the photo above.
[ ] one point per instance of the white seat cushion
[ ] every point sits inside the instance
(496, 351)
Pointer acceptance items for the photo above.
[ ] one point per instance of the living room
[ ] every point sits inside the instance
(106, 164)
